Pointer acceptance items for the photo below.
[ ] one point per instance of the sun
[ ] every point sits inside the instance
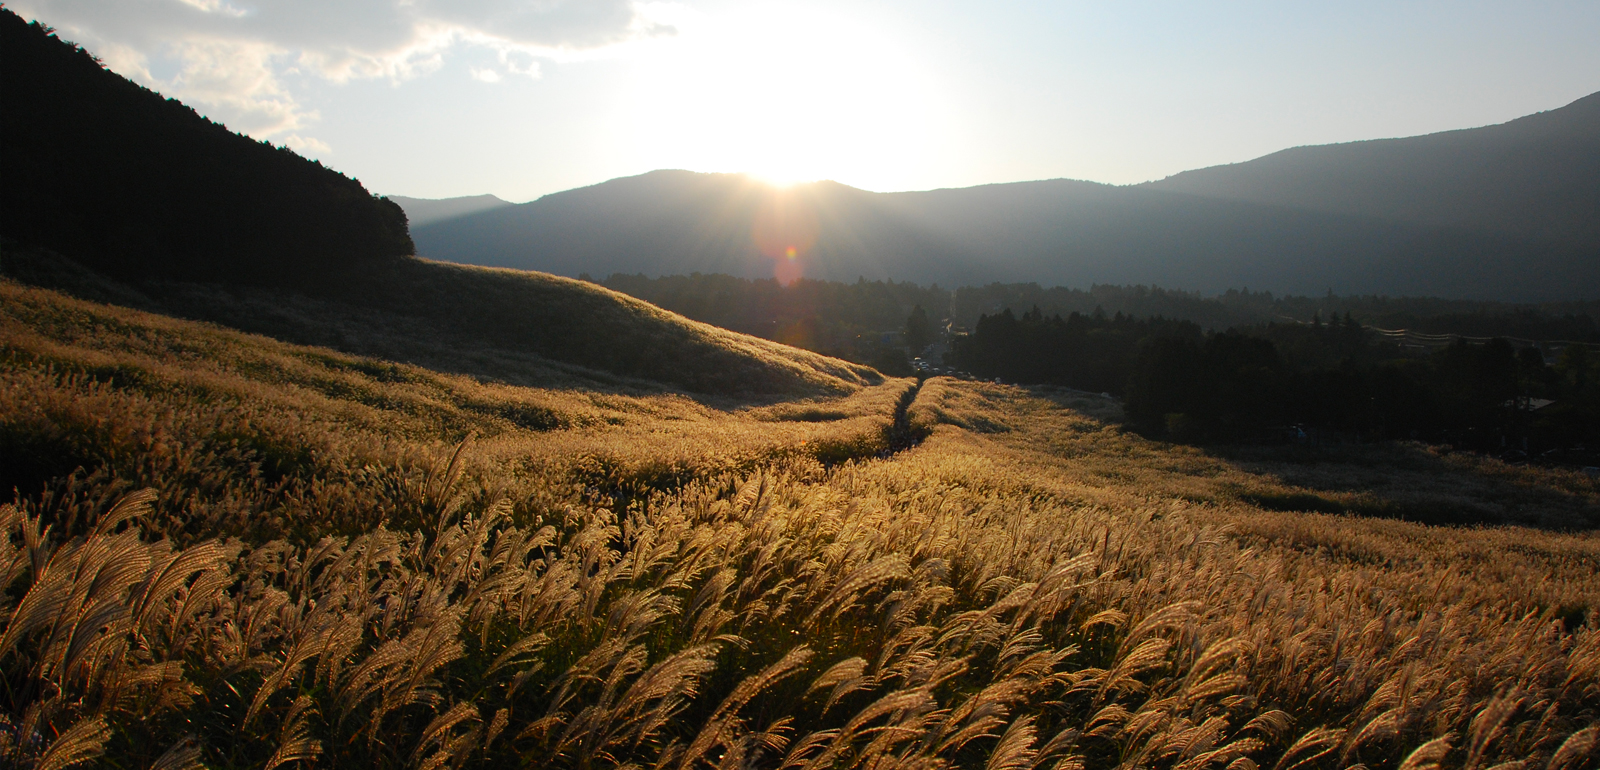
(781, 178)
(788, 94)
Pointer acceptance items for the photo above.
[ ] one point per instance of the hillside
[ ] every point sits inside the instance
(505, 325)
(110, 173)
(1430, 233)
(226, 550)
(130, 351)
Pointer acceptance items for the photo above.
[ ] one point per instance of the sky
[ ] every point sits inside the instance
(520, 98)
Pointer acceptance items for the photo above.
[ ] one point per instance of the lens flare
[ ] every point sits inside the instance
(785, 229)
(787, 272)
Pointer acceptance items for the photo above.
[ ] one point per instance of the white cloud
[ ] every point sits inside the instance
(214, 6)
(239, 80)
(305, 145)
(229, 58)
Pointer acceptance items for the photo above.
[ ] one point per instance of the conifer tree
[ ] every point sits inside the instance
(918, 330)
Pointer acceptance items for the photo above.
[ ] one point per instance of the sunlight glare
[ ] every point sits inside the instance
(787, 94)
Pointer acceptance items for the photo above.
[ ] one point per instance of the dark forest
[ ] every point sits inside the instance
(121, 179)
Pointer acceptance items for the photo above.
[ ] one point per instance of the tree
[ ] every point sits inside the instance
(919, 330)
(1163, 383)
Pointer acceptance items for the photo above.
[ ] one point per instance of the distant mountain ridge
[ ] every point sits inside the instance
(1504, 212)
(423, 211)
(1536, 177)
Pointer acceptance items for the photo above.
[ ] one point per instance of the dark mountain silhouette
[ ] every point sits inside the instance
(424, 211)
(1198, 235)
(668, 222)
(1535, 177)
(110, 173)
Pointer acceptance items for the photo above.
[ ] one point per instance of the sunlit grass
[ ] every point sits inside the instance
(324, 569)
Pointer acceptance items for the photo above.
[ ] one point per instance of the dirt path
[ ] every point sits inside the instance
(901, 434)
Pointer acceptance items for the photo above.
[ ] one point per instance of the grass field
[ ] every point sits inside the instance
(232, 551)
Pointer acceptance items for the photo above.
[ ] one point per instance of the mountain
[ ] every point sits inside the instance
(424, 211)
(1504, 212)
(1535, 177)
(680, 222)
(110, 173)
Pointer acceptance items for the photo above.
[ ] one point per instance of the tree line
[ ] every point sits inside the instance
(849, 320)
(1090, 352)
(1276, 381)
(863, 321)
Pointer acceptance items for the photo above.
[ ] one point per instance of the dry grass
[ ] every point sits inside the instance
(320, 574)
(512, 326)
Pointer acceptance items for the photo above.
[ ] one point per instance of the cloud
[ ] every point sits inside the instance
(238, 80)
(230, 58)
(214, 6)
(305, 145)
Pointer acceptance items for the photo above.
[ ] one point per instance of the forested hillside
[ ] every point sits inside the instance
(111, 174)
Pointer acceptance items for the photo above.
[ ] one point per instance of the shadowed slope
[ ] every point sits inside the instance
(586, 324)
(506, 325)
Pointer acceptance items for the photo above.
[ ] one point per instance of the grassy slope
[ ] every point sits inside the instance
(609, 576)
(119, 354)
(515, 326)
